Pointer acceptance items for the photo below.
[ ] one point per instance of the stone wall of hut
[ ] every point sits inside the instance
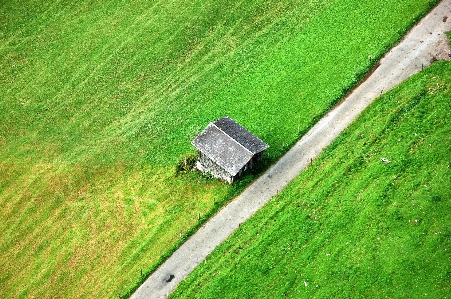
(206, 165)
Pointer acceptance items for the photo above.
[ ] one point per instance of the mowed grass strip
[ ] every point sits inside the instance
(100, 99)
(352, 226)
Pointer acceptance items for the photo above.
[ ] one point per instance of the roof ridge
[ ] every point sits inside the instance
(232, 138)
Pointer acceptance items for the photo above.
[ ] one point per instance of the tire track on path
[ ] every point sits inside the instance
(425, 43)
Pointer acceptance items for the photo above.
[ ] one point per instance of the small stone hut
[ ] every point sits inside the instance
(226, 149)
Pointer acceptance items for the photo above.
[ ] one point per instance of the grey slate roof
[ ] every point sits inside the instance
(228, 144)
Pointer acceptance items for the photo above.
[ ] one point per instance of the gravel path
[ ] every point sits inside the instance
(425, 43)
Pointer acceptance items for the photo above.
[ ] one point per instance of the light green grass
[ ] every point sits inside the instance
(100, 98)
(352, 226)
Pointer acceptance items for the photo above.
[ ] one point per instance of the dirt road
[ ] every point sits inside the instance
(425, 43)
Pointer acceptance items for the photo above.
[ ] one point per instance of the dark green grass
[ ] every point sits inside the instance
(352, 226)
(98, 100)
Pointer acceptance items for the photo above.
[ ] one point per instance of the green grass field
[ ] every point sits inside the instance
(100, 98)
(352, 226)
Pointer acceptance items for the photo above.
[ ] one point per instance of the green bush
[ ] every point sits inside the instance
(186, 163)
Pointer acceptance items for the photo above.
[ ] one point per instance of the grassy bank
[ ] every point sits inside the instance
(100, 99)
(352, 226)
